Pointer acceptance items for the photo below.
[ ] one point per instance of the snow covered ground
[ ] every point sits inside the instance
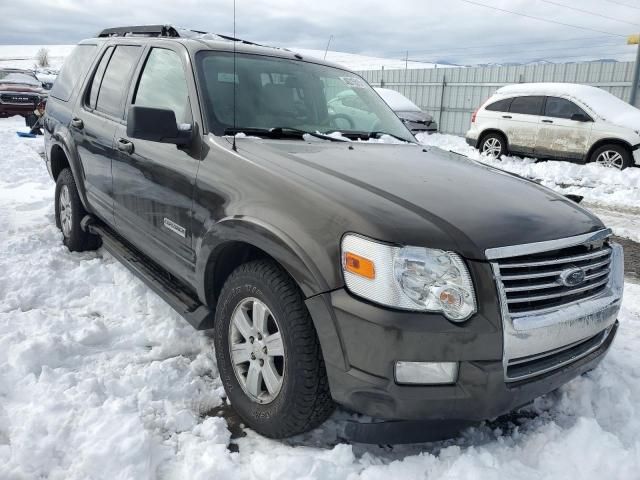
(100, 379)
(611, 194)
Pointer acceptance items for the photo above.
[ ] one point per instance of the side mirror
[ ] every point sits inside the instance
(580, 117)
(156, 125)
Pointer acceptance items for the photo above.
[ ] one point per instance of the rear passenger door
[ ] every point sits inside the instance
(153, 182)
(559, 135)
(99, 111)
(522, 122)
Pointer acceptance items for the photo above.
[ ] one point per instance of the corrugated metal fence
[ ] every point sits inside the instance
(452, 94)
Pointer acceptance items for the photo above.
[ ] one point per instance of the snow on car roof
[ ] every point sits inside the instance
(397, 101)
(607, 106)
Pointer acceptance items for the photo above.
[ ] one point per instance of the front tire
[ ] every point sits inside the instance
(612, 156)
(268, 352)
(493, 145)
(69, 214)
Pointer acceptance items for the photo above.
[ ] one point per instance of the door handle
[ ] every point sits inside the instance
(125, 145)
(547, 121)
(506, 116)
(76, 122)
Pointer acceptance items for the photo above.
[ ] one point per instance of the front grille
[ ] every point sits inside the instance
(534, 283)
(18, 98)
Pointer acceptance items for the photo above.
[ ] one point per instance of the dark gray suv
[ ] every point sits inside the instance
(331, 265)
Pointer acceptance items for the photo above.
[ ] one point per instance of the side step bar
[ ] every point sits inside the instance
(169, 288)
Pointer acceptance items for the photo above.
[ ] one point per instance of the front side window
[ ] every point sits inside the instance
(562, 108)
(163, 84)
(273, 92)
(112, 89)
(527, 105)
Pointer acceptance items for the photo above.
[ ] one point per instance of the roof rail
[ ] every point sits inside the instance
(141, 30)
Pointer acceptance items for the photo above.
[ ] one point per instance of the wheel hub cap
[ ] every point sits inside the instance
(66, 214)
(256, 350)
(610, 159)
(492, 147)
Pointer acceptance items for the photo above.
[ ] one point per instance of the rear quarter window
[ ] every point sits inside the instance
(74, 69)
(499, 106)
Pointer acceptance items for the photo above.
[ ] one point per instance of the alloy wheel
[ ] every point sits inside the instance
(611, 159)
(492, 147)
(256, 350)
(66, 213)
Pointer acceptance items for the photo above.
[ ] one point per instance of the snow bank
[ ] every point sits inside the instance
(100, 379)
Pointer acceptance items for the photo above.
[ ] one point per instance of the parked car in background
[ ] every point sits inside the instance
(413, 117)
(20, 92)
(402, 282)
(561, 121)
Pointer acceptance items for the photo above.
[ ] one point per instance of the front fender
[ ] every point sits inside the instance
(292, 257)
(276, 243)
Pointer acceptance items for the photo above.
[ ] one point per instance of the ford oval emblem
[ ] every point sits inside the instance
(572, 277)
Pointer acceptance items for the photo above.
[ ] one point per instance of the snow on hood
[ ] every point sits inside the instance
(607, 106)
(397, 101)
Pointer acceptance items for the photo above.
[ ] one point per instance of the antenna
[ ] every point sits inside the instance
(235, 78)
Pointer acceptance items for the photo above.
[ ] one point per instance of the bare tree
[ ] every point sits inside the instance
(42, 57)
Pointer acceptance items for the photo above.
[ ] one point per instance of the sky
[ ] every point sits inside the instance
(455, 31)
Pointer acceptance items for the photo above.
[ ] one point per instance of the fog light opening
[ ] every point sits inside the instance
(426, 373)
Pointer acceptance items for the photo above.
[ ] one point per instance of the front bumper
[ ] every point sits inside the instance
(636, 154)
(372, 338)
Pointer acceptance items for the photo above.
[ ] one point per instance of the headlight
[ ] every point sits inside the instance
(410, 278)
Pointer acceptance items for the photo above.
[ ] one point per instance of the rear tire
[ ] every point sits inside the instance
(261, 294)
(69, 214)
(493, 145)
(612, 156)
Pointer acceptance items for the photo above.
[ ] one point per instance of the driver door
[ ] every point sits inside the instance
(153, 182)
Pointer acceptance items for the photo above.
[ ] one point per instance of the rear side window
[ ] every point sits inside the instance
(561, 108)
(74, 69)
(116, 77)
(527, 105)
(500, 105)
(164, 85)
(97, 78)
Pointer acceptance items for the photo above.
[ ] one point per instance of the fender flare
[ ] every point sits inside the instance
(291, 256)
(58, 140)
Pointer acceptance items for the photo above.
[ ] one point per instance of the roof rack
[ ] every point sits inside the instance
(141, 30)
(171, 31)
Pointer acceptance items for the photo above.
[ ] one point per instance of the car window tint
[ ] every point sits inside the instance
(527, 105)
(75, 67)
(97, 78)
(561, 108)
(113, 87)
(163, 84)
(500, 105)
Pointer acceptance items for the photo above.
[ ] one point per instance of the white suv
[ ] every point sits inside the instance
(562, 121)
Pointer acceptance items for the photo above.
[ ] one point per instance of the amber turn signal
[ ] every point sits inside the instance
(359, 265)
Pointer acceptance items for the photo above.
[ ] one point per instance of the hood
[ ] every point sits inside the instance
(416, 117)
(20, 87)
(427, 196)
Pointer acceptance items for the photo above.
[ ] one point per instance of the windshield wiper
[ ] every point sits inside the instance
(279, 132)
(379, 134)
(353, 135)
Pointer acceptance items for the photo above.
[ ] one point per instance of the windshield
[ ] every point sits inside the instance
(276, 93)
